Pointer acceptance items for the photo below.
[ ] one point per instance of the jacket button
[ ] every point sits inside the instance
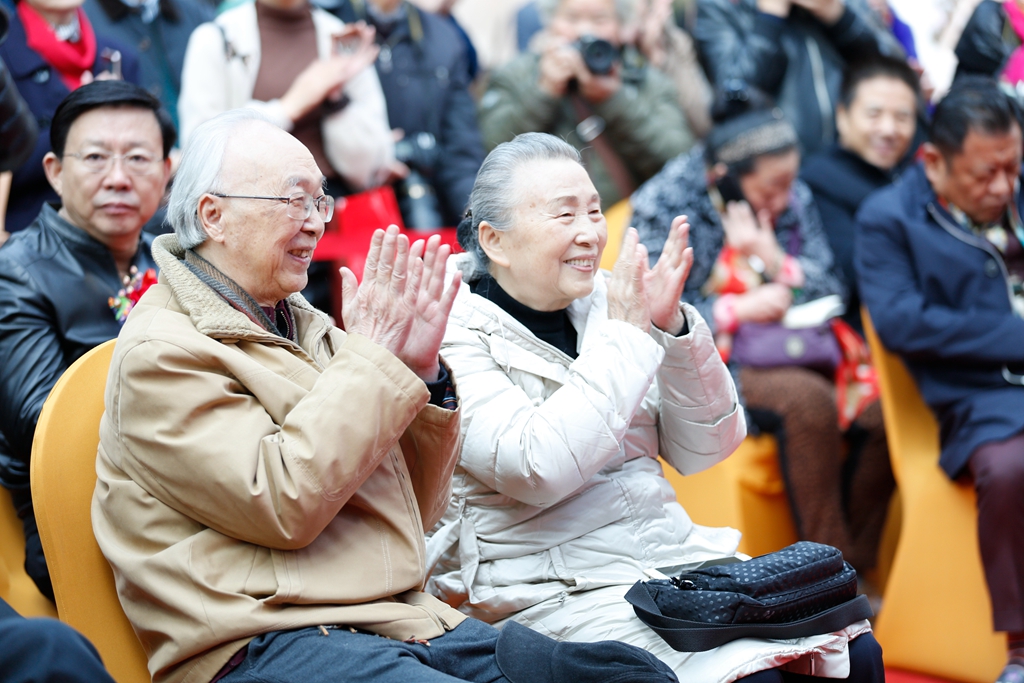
(41, 76)
(991, 268)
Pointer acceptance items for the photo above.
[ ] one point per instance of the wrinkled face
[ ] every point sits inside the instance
(880, 121)
(549, 257)
(254, 241)
(113, 204)
(768, 185)
(576, 18)
(981, 178)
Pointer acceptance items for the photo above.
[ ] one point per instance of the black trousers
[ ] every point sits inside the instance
(998, 471)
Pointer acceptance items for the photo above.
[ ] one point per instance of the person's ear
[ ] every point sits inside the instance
(166, 170)
(717, 172)
(53, 167)
(935, 166)
(491, 242)
(211, 217)
(842, 122)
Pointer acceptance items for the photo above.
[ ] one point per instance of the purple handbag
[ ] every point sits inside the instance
(770, 345)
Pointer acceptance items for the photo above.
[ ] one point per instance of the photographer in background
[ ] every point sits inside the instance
(625, 120)
(424, 70)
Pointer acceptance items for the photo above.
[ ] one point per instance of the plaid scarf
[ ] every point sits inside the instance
(241, 300)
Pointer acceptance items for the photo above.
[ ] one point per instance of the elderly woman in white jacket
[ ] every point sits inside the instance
(572, 382)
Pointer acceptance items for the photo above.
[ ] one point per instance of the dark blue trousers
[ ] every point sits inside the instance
(45, 651)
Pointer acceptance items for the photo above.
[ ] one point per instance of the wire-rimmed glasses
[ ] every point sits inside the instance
(300, 204)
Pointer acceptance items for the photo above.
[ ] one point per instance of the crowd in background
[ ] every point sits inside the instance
(766, 122)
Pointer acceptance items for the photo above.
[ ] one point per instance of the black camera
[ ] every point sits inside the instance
(598, 54)
(416, 197)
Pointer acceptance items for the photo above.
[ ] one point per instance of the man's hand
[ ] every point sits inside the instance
(827, 12)
(627, 297)
(433, 304)
(664, 283)
(558, 65)
(401, 303)
(594, 88)
(765, 304)
(778, 8)
(325, 78)
(752, 235)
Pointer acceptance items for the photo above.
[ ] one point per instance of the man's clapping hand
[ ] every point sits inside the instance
(402, 303)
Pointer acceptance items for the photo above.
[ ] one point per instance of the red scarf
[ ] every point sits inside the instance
(69, 59)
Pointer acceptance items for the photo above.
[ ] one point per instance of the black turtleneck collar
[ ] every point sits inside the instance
(554, 327)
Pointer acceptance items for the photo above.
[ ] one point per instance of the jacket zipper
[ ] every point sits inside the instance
(991, 251)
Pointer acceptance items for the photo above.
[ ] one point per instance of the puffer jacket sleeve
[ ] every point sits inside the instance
(700, 420)
(540, 451)
(205, 82)
(221, 459)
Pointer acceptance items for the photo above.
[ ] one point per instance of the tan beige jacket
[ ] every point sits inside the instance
(248, 484)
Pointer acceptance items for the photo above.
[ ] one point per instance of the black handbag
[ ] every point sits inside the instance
(802, 590)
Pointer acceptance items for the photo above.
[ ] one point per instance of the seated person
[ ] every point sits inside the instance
(876, 119)
(45, 651)
(794, 50)
(754, 256)
(626, 122)
(51, 50)
(264, 478)
(58, 277)
(424, 70)
(572, 382)
(940, 259)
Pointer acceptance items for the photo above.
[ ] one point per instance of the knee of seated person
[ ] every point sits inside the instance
(52, 642)
(1000, 468)
(812, 396)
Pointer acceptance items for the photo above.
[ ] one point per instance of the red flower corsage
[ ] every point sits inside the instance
(135, 285)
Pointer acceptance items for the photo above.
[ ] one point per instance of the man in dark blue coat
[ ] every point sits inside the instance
(424, 69)
(940, 261)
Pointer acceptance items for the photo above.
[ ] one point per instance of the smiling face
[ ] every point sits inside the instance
(880, 121)
(549, 257)
(980, 179)
(111, 205)
(253, 241)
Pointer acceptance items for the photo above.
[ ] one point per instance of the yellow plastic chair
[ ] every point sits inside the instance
(745, 492)
(63, 475)
(617, 219)
(936, 617)
(16, 587)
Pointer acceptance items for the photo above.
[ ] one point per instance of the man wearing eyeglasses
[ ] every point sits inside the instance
(60, 278)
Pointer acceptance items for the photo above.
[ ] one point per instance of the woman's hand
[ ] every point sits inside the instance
(664, 283)
(627, 298)
(752, 235)
(765, 304)
(324, 79)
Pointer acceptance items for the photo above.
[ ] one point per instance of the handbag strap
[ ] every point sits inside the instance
(696, 636)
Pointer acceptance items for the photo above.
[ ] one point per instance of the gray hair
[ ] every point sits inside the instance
(200, 170)
(548, 8)
(491, 199)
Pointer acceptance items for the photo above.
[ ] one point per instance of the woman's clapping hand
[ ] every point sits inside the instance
(665, 282)
(627, 295)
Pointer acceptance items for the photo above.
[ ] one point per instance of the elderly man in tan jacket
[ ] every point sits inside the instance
(265, 479)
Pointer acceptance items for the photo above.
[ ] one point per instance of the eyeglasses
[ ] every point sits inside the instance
(101, 162)
(300, 204)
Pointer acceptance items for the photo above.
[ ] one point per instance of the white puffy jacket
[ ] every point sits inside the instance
(559, 502)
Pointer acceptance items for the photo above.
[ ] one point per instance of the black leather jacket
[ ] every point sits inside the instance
(18, 130)
(797, 60)
(54, 284)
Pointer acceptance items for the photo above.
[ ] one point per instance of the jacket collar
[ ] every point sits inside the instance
(24, 61)
(211, 315)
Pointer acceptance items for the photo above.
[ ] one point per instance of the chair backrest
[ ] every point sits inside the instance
(63, 478)
(617, 218)
(16, 587)
(910, 426)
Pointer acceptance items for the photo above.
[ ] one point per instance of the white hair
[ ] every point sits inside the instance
(491, 200)
(199, 172)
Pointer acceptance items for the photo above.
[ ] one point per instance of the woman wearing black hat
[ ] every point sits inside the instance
(759, 249)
